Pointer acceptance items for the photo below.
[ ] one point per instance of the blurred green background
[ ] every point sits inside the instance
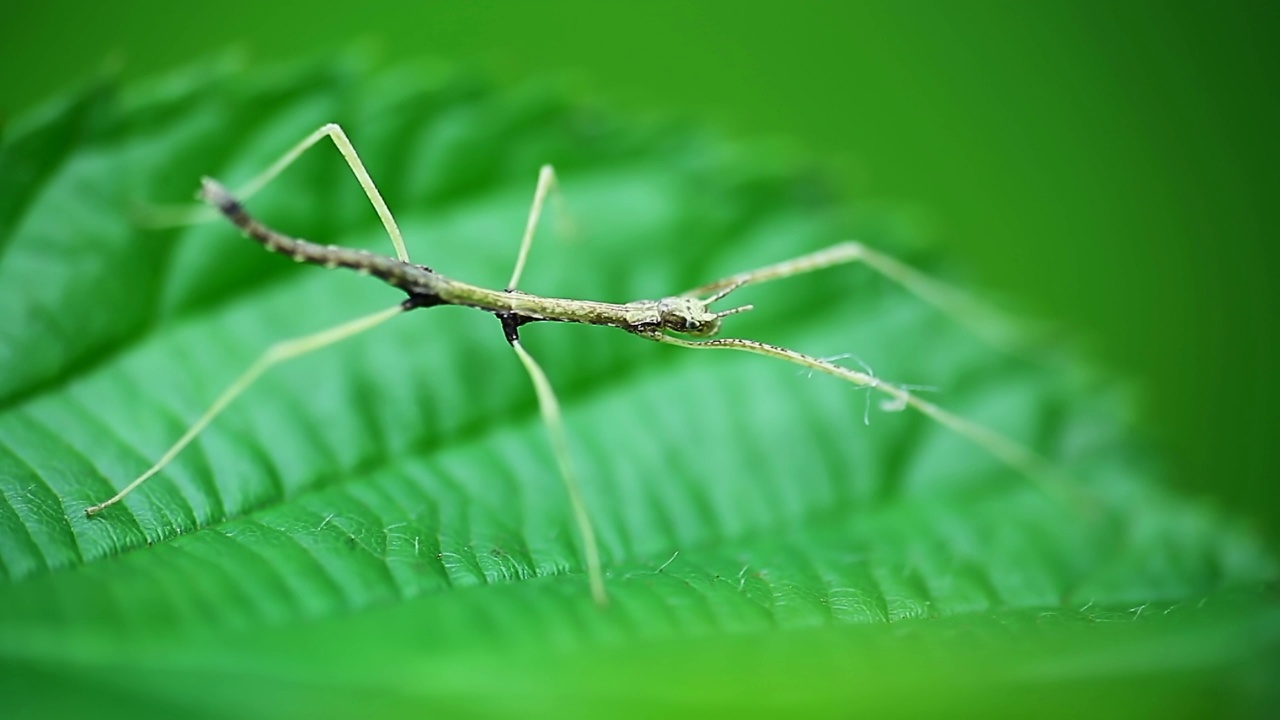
(1108, 166)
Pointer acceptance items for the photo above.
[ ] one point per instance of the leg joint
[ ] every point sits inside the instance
(511, 323)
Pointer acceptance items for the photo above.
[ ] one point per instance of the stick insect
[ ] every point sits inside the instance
(685, 320)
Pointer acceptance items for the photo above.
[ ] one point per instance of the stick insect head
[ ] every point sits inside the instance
(691, 316)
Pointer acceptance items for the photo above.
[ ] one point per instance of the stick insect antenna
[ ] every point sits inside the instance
(735, 311)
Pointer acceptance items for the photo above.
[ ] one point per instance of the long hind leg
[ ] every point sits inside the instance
(334, 132)
(276, 354)
(174, 217)
(550, 406)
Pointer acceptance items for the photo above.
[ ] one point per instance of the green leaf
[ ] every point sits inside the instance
(380, 528)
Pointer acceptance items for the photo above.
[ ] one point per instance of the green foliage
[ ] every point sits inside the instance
(380, 528)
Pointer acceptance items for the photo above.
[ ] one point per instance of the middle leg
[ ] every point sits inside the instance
(551, 418)
(549, 406)
(546, 183)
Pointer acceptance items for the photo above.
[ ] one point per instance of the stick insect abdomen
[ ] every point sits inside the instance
(416, 280)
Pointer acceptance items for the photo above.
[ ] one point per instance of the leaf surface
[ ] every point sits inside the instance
(380, 526)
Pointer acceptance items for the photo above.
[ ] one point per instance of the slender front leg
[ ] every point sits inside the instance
(1015, 455)
(980, 318)
(550, 408)
(277, 353)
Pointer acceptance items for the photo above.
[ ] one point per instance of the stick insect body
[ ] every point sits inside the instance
(427, 288)
(686, 320)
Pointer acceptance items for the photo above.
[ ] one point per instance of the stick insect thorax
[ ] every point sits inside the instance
(427, 288)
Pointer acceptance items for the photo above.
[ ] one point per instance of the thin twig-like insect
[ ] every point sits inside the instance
(686, 320)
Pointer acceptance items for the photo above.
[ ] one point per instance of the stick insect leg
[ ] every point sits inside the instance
(1017, 456)
(334, 132)
(170, 217)
(274, 355)
(550, 408)
(546, 183)
(981, 319)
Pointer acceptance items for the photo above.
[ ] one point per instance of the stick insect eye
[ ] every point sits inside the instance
(702, 327)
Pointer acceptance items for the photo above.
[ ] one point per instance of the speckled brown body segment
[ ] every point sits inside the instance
(428, 288)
